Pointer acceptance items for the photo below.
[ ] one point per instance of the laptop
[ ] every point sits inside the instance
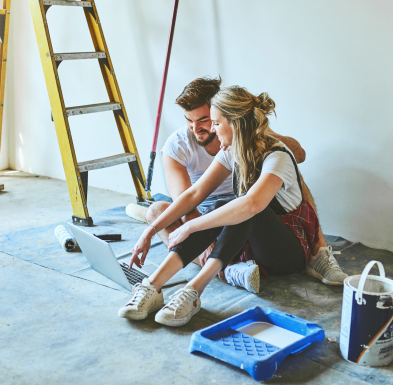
(101, 258)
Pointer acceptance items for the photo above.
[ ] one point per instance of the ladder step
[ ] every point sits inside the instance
(85, 4)
(106, 162)
(79, 55)
(91, 108)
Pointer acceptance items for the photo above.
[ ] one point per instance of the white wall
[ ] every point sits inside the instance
(327, 64)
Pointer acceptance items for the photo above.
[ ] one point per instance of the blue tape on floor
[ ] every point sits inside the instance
(40, 246)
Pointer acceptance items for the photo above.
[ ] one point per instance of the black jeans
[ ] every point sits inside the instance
(273, 246)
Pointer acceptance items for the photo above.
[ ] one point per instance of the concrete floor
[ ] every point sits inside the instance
(56, 328)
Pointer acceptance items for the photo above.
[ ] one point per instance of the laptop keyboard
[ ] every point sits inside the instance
(134, 276)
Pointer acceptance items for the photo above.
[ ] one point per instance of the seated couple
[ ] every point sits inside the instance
(271, 219)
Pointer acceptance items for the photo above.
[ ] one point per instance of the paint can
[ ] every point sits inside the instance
(67, 241)
(366, 336)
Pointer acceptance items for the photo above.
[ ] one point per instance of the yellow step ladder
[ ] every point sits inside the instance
(77, 173)
(4, 30)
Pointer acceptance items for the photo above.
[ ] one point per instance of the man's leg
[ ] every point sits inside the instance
(156, 209)
(309, 198)
(322, 265)
(153, 212)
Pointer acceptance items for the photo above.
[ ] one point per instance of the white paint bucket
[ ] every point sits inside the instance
(366, 336)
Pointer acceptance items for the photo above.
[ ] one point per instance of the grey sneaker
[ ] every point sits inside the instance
(326, 268)
(145, 300)
(243, 274)
(184, 304)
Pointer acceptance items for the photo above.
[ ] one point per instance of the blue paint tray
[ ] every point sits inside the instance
(257, 340)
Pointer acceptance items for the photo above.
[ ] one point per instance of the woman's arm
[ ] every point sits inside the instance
(211, 179)
(234, 212)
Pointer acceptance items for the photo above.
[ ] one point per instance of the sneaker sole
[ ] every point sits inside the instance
(178, 321)
(141, 314)
(254, 281)
(313, 273)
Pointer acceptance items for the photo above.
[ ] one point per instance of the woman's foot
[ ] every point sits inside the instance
(145, 300)
(184, 304)
(244, 274)
(325, 267)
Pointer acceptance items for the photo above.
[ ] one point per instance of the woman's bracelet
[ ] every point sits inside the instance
(154, 230)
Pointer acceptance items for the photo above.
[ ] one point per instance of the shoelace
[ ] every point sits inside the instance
(181, 298)
(237, 276)
(332, 261)
(140, 294)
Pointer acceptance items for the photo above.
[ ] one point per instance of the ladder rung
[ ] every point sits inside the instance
(79, 55)
(106, 162)
(91, 108)
(85, 4)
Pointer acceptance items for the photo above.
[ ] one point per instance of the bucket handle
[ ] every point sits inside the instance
(366, 270)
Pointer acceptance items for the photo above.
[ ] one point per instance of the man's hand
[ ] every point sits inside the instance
(292, 144)
(142, 246)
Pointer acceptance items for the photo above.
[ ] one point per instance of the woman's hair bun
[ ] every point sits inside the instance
(265, 103)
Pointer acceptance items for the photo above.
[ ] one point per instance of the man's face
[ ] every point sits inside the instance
(199, 123)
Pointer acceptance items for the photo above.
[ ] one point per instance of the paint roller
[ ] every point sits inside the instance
(69, 243)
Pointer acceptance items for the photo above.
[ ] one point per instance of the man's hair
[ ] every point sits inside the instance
(198, 93)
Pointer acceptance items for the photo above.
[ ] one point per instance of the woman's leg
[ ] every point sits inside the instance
(274, 247)
(209, 271)
(167, 269)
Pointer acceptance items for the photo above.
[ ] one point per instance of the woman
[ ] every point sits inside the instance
(269, 212)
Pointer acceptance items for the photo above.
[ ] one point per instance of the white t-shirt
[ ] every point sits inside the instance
(181, 147)
(280, 164)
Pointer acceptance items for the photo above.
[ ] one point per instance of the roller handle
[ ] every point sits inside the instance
(109, 237)
(363, 277)
(150, 171)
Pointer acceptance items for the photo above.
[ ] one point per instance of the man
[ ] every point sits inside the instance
(187, 154)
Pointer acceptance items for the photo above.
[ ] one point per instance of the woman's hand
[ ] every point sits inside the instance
(142, 246)
(179, 235)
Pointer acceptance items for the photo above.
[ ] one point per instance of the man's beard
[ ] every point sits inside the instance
(205, 142)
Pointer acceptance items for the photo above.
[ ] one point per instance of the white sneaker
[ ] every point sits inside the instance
(145, 300)
(244, 274)
(326, 268)
(184, 304)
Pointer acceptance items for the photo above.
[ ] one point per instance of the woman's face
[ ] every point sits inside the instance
(221, 127)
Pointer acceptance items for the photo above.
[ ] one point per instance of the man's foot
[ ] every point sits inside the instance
(145, 300)
(244, 274)
(137, 212)
(184, 304)
(325, 267)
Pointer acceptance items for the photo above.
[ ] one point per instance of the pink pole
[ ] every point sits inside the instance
(164, 76)
(161, 101)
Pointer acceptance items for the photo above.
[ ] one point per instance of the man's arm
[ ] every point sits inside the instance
(292, 144)
(177, 181)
